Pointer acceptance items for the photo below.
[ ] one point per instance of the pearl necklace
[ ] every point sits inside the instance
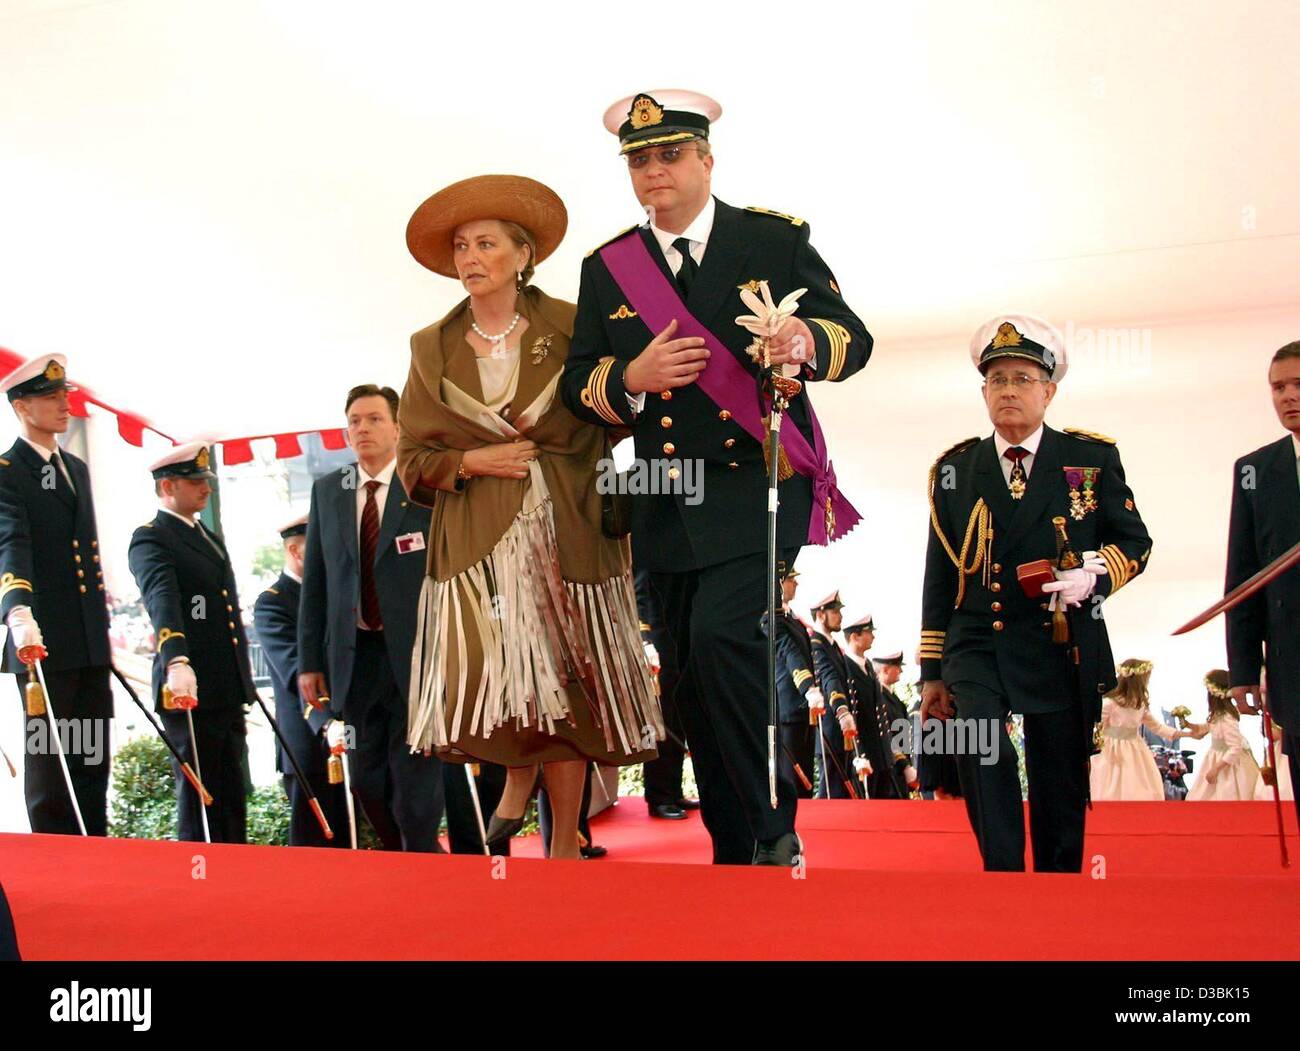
(498, 342)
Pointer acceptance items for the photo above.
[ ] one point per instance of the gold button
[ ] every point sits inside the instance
(997, 625)
(729, 443)
(724, 415)
(674, 473)
(235, 641)
(997, 567)
(81, 573)
(95, 557)
(231, 623)
(666, 395)
(75, 544)
(225, 593)
(1042, 605)
(997, 607)
(76, 559)
(101, 587)
(83, 588)
(667, 421)
(995, 586)
(93, 543)
(99, 573)
(669, 448)
(733, 465)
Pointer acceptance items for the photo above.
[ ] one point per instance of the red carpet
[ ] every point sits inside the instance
(122, 899)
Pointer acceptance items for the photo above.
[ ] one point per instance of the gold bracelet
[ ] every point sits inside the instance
(461, 473)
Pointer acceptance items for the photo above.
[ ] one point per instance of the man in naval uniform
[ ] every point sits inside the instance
(52, 599)
(799, 698)
(879, 729)
(275, 616)
(987, 642)
(656, 349)
(837, 779)
(188, 586)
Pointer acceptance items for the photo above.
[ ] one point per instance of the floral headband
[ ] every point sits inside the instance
(1221, 692)
(1140, 668)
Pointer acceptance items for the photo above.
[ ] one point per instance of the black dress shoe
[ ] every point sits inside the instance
(592, 851)
(786, 851)
(668, 811)
(689, 804)
(500, 829)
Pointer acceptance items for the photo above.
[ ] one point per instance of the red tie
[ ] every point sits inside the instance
(1018, 479)
(369, 543)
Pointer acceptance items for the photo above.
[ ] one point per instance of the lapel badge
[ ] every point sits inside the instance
(541, 348)
(752, 285)
(622, 313)
(1082, 482)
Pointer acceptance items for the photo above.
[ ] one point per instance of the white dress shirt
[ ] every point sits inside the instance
(45, 455)
(293, 576)
(697, 233)
(176, 514)
(1030, 445)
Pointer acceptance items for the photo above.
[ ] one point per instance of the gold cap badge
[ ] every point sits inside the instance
(645, 112)
(1007, 336)
(54, 371)
(202, 460)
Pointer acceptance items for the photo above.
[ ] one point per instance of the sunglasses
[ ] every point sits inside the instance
(665, 155)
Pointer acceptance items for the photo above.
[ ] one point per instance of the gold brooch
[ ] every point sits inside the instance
(621, 313)
(541, 348)
(54, 371)
(202, 460)
(752, 285)
(645, 112)
(1007, 336)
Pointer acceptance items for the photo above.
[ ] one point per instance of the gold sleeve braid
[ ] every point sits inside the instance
(1119, 566)
(9, 583)
(594, 396)
(839, 338)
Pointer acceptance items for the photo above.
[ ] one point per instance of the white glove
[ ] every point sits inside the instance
(1072, 586)
(23, 627)
(861, 765)
(768, 317)
(336, 734)
(909, 776)
(816, 702)
(652, 656)
(181, 680)
(847, 726)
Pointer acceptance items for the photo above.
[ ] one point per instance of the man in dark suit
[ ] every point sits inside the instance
(1265, 523)
(52, 599)
(702, 534)
(989, 646)
(188, 587)
(663, 775)
(797, 689)
(275, 616)
(837, 769)
(876, 720)
(360, 596)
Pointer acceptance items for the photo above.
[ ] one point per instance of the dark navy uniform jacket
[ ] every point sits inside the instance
(49, 559)
(993, 634)
(670, 533)
(275, 615)
(188, 586)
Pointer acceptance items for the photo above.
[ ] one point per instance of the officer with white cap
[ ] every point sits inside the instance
(188, 586)
(52, 599)
(1031, 531)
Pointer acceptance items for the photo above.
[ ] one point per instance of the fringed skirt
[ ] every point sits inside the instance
(514, 665)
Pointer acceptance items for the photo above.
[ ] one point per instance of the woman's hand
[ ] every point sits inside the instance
(506, 460)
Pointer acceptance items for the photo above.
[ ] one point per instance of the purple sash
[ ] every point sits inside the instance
(729, 384)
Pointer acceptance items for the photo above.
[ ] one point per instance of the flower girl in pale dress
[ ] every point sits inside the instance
(1125, 769)
(1230, 771)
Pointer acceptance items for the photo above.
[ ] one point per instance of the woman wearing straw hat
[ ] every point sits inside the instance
(527, 651)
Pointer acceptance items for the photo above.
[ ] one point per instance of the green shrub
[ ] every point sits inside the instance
(144, 800)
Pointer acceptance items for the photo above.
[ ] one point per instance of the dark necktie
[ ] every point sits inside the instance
(62, 467)
(369, 543)
(689, 268)
(1018, 477)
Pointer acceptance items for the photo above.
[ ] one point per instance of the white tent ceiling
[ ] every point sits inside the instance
(203, 204)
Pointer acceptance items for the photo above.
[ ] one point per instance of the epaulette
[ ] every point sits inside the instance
(271, 591)
(3, 462)
(792, 220)
(961, 446)
(621, 233)
(146, 525)
(1090, 436)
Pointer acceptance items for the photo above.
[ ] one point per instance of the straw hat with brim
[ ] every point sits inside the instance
(512, 198)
